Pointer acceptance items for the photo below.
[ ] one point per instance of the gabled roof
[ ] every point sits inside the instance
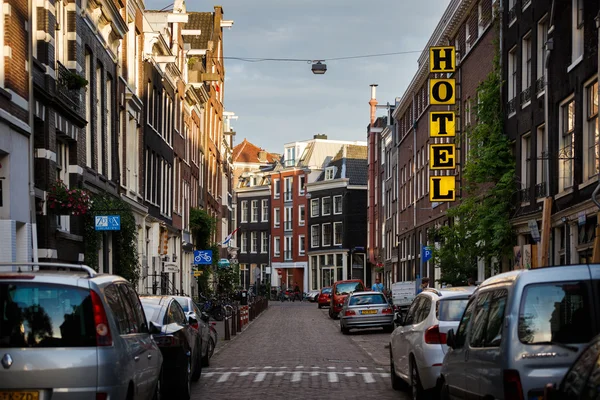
(247, 152)
(318, 153)
(202, 21)
(351, 163)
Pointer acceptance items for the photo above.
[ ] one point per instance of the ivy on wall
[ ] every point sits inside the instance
(125, 261)
(479, 227)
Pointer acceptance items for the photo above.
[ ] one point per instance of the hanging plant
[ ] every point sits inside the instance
(65, 201)
(74, 81)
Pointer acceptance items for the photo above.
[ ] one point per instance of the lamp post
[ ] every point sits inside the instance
(318, 68)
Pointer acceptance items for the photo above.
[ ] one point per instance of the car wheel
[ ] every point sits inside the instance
(198, 364)
(185, 389)
(320, 306)
(331, 313)
(217, 314)
(389, 329)
(415, 381)
(344, 330)
(397, 382)
(158, 388)
(444, 390)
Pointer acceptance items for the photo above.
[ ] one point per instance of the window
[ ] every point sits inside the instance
(244, 276)
(461, 331)
(488, 318)
(314, 208)
(326, 205)
(254, 211)
(99, 138)
(276, 217)
(467, 111)
(467, 37)
(288, 248)
(591, 135)
(265, 242)
(512, 75)
(301, 185)
(254, 242)
(62, 174)
(451, 310)
(276, 188)
(526, 69)
(244, 242)
(301, 215)
(265, 211)
(555, 312)
(423, 311)
(290, 156)
(337, 204)
(276, 246)
(314, 236)
(288, 189)
(288, 218)
(329, 173)
(542, 38)
(542, 162)
(337, 233)
(566, 145)
(244, 211)
(525, 160)
(88, 112)
(326, 234)
(301, 245)
(109, 124)
(576, 32)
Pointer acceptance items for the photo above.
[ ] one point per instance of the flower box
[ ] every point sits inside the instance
(63, 200)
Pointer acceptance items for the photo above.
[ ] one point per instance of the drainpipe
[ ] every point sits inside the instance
(414, 178)
(31, 102)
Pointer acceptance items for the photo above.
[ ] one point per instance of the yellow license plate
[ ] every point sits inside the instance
(19, 395)
(368, 312)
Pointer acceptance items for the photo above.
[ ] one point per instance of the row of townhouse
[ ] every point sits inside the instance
(549, 65)
(301, 217)
(120, 101)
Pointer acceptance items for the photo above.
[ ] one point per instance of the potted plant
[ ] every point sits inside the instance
(65, 201)
(74, 81)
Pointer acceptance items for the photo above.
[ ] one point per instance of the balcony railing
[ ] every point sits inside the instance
(540, 190)
(69, 95)
(512, 14)
(511, 106)
(525, 96)
(540, 84)
(524, 195)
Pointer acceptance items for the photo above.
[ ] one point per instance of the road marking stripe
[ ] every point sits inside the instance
(260, 377)
(224, 377)
(332, 377)
(208, 374)
(350, 374)
(296, 376)
(368, 377)
(245, 373)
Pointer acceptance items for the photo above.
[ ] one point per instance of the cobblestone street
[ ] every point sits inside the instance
(295, 351)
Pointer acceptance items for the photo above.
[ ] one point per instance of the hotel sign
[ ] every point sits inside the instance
(442, 124)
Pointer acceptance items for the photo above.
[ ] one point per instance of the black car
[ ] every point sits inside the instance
(179, 343)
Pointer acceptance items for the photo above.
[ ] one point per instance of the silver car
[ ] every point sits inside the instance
(191, 310)
(520, 331)
(74, 335)
(366, 310)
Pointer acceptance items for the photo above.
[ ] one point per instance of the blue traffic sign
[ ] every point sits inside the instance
(426, 253)
(202, 257)
(107, 222)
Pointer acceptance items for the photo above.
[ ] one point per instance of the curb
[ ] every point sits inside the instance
(224, 343)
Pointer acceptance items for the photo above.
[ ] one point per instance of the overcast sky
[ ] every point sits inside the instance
(282, 102)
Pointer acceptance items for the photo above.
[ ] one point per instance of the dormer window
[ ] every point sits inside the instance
(329, 173)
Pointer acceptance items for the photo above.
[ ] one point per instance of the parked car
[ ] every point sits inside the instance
(191, 310)
(520, 331)
(418, 345)
(178, 341)
(324, 298)
(313, 295)
(363, 310)
(583, 378)
(76, 331)
(339, 291)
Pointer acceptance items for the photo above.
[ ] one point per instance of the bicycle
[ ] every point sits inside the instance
(213, 340)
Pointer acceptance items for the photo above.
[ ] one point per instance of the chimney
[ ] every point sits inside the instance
(262, 155)
(320, 136)
(373, 102)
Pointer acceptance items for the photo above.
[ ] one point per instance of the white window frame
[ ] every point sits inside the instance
(590, 138)
(265, 211)
(301, 245)
(288, 188)
(264, 242)
(254, 242)
(336, 227)
(254, 211)
(526, 65)
(63, 222)
(301, 185)
(288, 219)
(243, 242)
(276, 217)
(276, 188)
(288, 248)
(323, 236)
(301, 215)
(335, 198)
(323, 203)
(564, 131)
(276, 246)
(577, 34)
(245, 211)
(329, 173)
(314, 205)
(315, 236)
(513, 60)
(525, 160)
(541, 155)
(542, 38)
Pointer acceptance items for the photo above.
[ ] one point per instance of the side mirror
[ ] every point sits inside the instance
(204, 316)
(154, 329)
(192, 321)
(399, 319)
(451, 339)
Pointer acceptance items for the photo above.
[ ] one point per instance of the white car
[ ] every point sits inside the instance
(418, 344)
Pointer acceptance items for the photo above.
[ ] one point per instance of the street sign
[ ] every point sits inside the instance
(202, 257)
(198, 273)
(426, 253)
(107, 222)
(170, 268)
(533, 228)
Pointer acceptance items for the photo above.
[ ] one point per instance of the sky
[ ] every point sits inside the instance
(279, 102)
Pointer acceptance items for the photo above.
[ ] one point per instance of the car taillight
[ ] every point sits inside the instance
(101, 396)
(387, 311)
(166, 341)
(434, 336)
(103, 337)
(512, 385)
(349, 312)
(195, 326)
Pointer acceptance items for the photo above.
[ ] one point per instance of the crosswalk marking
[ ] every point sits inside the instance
(224, 377)
(260, 377)
(332, 377)
(298, 375)
(368, 377)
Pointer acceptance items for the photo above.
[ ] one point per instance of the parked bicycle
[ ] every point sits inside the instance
(213, 334)
(212, 307)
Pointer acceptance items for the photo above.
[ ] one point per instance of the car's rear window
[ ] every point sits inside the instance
(367, 299)
(152, 311)
(349, 287)
(45, 315)
(183, 303)
(451, 310)
(555, 312)
(326, 290)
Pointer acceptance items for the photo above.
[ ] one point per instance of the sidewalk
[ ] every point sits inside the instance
(220, 327)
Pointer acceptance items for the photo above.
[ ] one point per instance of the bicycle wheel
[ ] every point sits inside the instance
(211, 347)
(218, 313)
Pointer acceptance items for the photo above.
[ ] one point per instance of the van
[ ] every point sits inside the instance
(520, 331)
(339, 291)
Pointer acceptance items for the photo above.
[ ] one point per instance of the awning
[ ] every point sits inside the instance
(223, 263)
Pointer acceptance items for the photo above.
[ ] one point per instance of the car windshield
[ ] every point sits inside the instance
(367, 299)
(555, 312)
(45, 315)
(349, 287)
(452, 309)
(326, 290)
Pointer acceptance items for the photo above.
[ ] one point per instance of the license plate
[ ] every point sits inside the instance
(368, 311)
(19, 395)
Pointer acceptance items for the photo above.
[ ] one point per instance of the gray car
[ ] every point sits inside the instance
(520, 331)
(73, 334)
(366, 310)
(191, 310)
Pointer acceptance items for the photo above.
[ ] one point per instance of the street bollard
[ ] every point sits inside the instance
(238, 322)
(251, 313)
(227, 334)
(234, 313)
